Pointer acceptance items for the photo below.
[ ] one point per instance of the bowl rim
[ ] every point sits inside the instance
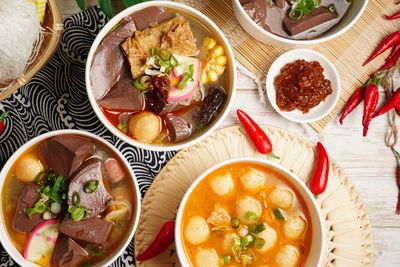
(319, 224)
(316, 40)
(316, 56)
(232, 67)
(4, 238)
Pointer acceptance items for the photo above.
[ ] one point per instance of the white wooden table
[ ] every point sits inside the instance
(369, 164)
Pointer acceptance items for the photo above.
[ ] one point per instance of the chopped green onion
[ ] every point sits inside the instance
(259, 243)
(164, 54)
(246, 241)
(252, 216)
(259, 228)
(235, 223)
(91, 187)
(174, 61)
(76, 199)
(122, 128)
(138, 85)
(78, 213)
(225, 259)
(278, 214)
(155, 51)
(99, 253)
(143, 81)
(30, 212)
(46, 215)
(191, 71)
(183, 82)
(252, 228)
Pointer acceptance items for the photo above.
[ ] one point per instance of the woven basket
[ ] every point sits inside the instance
(53, 26)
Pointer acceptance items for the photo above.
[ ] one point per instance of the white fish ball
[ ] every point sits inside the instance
(253, 179)
(207, 257)
(222, 185)
(270, 237)
(197, 230)
(247, 204)
(27, 168)
(294, 227)
(281, 198)
(288, 256)
(229, 241)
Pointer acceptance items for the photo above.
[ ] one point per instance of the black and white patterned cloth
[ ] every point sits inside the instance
(56, 99)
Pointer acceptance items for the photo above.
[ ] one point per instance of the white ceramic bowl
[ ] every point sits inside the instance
(353, 14)
(330, 72)
(4, 238)
(317, 249)
(206, 22)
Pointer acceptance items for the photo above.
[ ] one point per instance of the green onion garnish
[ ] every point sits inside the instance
(164, 54)
(246, 241)
(252, 216)
(122, 128)
(91, 186)
(138, 85)
(278, 214)
(252, 228)
(191, 71)
(259, 243)
(154, 51)
(259, 228)
(225, 259)
(78, 213)
(76, 199)
(144, 80)
(174, 61)
(184, 81)
(235, 223)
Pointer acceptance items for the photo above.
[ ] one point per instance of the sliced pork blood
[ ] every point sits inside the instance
(123, 96)
(181, 127)
(93, 230)
(97, 201)
(148, 17)
(316, 17)
(257, 11)
(67, 253)
(64, 154)
(27, 198)
(109, 64)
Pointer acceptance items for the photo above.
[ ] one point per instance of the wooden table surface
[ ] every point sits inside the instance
(369, 164)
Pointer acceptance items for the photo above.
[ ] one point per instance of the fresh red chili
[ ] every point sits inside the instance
(390, 63)
(387, 43)
(352, 103)
(393, 101)
(319, 180)
(257, 135)
(397, 154)
(2, 117)
(163, 239)
(394, 16)
(370, 102)
(397, 108)
(395, 49)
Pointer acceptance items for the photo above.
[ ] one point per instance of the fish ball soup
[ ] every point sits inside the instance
(68, 201)
(245, 214)
(160, 76)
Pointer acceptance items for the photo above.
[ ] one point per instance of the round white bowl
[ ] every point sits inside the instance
(317, 249)
(231, 91)
(330, 72)
(4, 238)
(353, 14)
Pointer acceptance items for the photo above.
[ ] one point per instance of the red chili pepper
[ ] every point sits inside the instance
(395, 49)
(257, 135)
(397, 108)
(393, 101)
(397, 154)
(352, 103)
(163, 239)
(387, 43)
(2, 116)
(392, 17)
(319, 180)
(370, 102)
(390, 63)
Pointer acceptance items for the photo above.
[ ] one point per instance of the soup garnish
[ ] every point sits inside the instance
(160, 76)
(245, 214)
(67, 201)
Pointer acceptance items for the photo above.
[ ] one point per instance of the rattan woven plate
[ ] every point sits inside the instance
(347, 224)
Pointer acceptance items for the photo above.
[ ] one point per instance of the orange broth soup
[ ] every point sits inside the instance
(246, 214)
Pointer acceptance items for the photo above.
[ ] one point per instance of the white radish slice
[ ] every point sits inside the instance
(41, 242)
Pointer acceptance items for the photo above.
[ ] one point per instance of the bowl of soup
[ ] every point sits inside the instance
(302, 22)
(249, 212)
(161, 75)
(68, 198)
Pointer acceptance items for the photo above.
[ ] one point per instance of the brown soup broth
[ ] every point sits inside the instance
(123, 190)
(202, 200)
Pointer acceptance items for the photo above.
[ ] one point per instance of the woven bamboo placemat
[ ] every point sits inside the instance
(346, 52)
(349, 240)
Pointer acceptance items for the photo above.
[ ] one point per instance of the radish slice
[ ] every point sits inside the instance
(177, 95)
(41, 242)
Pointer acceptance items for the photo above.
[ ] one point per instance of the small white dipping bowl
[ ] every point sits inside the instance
(5, 239)
(350, 18)
(231, 91)
(317, 250)
(330, 73)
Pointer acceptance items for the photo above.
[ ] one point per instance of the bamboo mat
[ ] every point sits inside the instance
(346, 52)
(348, 231)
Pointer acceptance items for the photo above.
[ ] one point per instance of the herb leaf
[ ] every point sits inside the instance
(301, 8)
